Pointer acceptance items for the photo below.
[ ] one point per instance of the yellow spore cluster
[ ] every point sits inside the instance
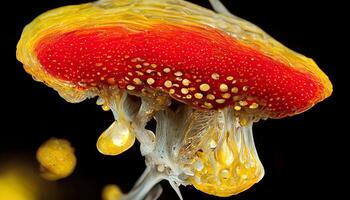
(56, 158)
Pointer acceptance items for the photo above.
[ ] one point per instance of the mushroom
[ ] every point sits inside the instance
(204, 76)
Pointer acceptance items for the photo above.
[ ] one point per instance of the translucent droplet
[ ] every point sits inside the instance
(105, 107)
(116, 139)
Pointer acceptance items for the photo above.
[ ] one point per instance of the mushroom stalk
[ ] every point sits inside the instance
(211, 149)
(144, 185)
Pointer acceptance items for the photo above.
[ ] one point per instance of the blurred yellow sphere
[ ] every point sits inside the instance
(111, 192)
(14, 186)
(56, 158)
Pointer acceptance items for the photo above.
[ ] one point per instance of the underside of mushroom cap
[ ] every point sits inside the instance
(197, 57)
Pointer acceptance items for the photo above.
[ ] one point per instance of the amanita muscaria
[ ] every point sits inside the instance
(204, 76)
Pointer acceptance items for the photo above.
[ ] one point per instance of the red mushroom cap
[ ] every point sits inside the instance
(195, 64)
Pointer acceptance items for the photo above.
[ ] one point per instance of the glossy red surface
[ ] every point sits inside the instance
(199, 66)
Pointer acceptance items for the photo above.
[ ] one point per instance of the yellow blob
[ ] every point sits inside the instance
(228, 168)
(56, 158)
(16, 186)
(116, 139)
(111, 192)
(105, 107)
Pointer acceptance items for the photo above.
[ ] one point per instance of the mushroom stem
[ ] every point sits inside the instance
(144, 185)
(212, 149)
(145, 137)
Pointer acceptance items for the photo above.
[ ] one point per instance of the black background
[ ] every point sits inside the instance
(304, 156)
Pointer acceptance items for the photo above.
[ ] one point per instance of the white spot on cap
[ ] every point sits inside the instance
(223, 87)
(186, 82)
(215, 76)
(234, 90)
(198, 95)
(137, 81)
(130, 87)
(184, 90)
(178, 73)
(168, 84)
(166, 70)
(220, 101)
(150, 81)
(204, 87)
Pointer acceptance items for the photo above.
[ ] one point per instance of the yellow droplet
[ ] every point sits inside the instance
(105, 107)
(56, 158)
(238, 108)
(118, 138)
(111, 192)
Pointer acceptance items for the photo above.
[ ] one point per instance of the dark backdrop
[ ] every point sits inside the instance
(304, 156)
